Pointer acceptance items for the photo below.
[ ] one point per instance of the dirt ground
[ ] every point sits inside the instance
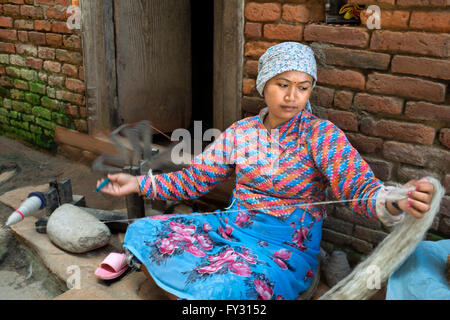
(22, 276)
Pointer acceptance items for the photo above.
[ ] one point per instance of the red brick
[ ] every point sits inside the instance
(46, 53)
(37, 38)
(7, 47)
(248, 86)
(394, 19)
(81, 73)
(406, 87)
(303, 13)
(26, 49)
(255, 49)
(427, 111)
(32, 12)
(402, 131)
(446, 184)
(262, 11)
(341, 78)
(22, 36)
(46, 2)
(65, 3)
(356, 58)
(69, 97)
(437, 21)
(369, 2)
(365, 144)
(81, 126)
(430, 44)
(60, 27)
(322, 96)
(52, 66)
(253, 30)
(69, 70)
(397, 19)
(251, 67)
(83, 112)
(344, 120)
(445, 206)
(426, 3)
(42, 25)
(11, 10)
(444, 137)
(24, 24)
(343, 99)
(69, 57)
(381, 169)
(75, 85)
(403, 152)
(349, 36)
(6, 34)
(283, 32)
(34, 63)
(378, 104)
(433, 68)
(407, 173)
(72, 42)
(57, 13)
(16, 1)
(6, 22)
(54, 39)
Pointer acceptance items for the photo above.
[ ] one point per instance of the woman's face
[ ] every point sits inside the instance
(286, 95)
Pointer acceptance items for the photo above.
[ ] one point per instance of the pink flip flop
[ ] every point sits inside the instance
(114, 265)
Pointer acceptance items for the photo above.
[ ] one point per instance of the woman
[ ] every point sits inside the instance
(265, 245)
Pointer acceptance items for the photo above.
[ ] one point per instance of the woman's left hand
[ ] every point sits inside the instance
(419, 200)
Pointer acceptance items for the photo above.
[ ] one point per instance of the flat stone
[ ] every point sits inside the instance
(76, 231)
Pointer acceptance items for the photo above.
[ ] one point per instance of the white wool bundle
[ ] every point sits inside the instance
(390, 253)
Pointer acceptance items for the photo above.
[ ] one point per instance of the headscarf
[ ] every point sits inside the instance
(286, 56)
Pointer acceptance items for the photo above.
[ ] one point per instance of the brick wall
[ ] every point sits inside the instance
(387, 89)
(41, 71)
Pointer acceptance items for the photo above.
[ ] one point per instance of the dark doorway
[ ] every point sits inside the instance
(202, 53)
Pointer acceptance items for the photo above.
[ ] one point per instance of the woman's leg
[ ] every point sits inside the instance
(171, 296)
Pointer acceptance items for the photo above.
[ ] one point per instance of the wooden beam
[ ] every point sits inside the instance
(228, 61)
(100, 64)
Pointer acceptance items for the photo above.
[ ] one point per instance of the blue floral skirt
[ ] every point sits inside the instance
(229, 255)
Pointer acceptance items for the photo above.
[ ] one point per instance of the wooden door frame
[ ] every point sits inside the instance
(99, 55)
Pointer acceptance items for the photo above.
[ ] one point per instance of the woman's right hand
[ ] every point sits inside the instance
(122, 184)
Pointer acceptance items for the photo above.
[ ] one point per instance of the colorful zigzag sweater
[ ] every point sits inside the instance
(275, 171)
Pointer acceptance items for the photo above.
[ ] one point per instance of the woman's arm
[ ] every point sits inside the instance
(207, 170)
(351, 177)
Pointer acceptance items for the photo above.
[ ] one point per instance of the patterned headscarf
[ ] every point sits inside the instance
(286, 56)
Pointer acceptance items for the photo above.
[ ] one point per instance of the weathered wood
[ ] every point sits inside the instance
(228, 61)
(83, 141)
(154, 62)
(99, 64)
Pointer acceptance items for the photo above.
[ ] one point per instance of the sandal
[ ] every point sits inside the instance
(114, 265)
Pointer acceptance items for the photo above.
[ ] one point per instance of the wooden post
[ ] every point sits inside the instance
(228, 61)
(135, 202)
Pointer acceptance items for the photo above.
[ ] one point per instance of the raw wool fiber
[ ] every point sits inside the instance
(389, 254)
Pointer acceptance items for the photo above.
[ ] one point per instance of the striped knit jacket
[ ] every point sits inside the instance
(275, 171)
